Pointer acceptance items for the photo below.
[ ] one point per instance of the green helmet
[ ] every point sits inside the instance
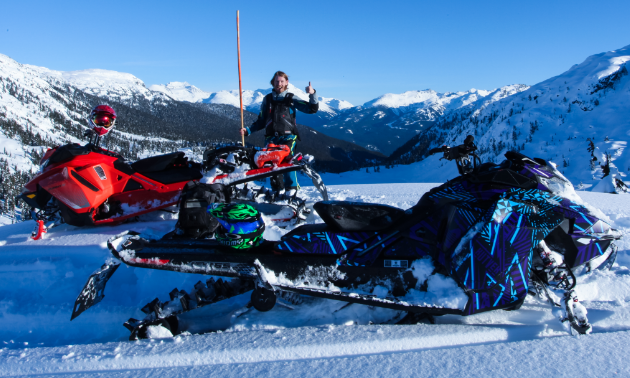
(241, 225)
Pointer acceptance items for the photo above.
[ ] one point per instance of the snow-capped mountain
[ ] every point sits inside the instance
(387, 122)
(328, 108)
(425, 99)
(578, 119)
(118, 86)
(181, 91)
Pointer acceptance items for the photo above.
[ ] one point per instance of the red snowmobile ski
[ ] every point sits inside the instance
(89, 185)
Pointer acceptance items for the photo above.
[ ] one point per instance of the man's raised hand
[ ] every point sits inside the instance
(310, 89)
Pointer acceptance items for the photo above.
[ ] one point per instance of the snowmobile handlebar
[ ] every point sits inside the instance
(434, 151)
(461, 154)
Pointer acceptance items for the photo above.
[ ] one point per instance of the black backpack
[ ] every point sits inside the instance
(194, 219)
(279, 119)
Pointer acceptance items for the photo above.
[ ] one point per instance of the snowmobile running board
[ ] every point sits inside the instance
(370, 301)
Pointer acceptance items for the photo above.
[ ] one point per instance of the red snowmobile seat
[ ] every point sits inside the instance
(357, 216)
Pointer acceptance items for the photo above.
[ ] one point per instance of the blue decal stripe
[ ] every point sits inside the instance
(500, 295)
(288, 246)
(472, 270)
(600, 250)
(522, 276)
(496, 233)
(518, 227)
(330, 243)
(342, 238)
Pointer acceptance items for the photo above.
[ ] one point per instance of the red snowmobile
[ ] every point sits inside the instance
(232, 165)
(89, 185)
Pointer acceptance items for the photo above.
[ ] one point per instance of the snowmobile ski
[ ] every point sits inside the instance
(93, 291)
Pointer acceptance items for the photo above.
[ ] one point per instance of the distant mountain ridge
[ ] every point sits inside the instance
(389, 121)
(382, 124)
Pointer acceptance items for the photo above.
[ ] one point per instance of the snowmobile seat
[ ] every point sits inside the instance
(174, 175)
(157, 163)
(357, 216)
(67, 152)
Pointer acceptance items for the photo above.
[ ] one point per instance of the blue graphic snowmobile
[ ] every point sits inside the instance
(496, 232)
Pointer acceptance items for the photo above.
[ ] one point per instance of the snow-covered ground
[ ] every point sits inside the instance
(40, 280)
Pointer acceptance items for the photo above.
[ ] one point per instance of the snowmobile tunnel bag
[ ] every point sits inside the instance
(357, 216)
(194, 220)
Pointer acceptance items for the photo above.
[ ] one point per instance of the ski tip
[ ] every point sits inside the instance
(39, 230)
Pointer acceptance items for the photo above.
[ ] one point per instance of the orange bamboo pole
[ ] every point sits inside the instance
(240, 87)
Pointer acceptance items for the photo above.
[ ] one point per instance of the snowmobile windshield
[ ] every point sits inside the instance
(555, 181)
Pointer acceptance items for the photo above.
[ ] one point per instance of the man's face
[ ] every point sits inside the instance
(280, 84)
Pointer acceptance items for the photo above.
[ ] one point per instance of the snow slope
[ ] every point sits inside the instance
(104, 83)
(40, 280)
(353, 351)
(47, 105)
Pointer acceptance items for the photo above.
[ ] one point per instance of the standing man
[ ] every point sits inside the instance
(277, 117)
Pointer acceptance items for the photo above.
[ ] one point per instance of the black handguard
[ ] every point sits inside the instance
(469, 145)
(437, 150)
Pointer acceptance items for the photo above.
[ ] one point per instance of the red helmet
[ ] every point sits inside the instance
(102, 119)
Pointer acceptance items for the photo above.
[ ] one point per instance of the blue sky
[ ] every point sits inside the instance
(351, 50)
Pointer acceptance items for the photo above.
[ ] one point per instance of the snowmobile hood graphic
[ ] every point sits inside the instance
(487, 238)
